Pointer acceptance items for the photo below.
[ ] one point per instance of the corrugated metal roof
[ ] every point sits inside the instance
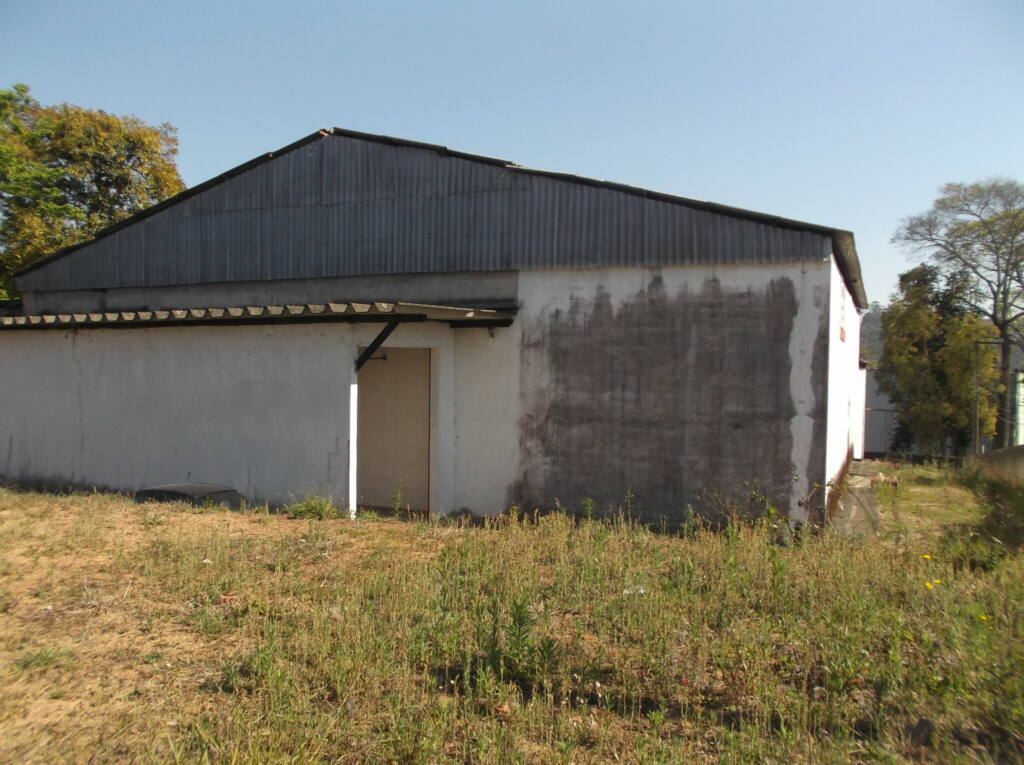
(308, 312)
(342, 203)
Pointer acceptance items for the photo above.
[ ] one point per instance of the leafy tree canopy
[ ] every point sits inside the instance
(973, 236)
(938, 362)
(67, 172)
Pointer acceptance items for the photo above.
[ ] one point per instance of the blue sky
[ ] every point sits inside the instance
(845, 114)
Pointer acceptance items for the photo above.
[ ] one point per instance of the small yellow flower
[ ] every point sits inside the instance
(927, 557)
(983, 618)
(928, 585)
(937, 581)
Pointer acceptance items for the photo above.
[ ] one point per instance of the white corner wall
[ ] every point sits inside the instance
(262, 408)
(846, 381)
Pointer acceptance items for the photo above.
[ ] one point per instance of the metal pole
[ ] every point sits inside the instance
(975, 423)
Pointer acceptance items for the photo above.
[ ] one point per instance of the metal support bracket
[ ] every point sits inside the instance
(378, 341)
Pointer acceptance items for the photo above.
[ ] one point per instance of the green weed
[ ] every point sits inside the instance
(316, 507)
(43, 659)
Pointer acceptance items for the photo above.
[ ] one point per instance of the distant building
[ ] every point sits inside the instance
(386, 321)
(880, 420)
(881, 414)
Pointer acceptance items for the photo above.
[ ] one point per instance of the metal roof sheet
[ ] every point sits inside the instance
(348, 206)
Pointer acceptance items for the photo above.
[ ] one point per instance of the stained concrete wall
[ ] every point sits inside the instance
(246, 406)
(676, 386)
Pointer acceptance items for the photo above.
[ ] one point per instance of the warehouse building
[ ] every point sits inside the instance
(378, 319)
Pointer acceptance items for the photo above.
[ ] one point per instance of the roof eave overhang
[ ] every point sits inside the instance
(849, 265)
(340, 312)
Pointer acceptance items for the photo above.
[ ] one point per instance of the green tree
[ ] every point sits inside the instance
(66, 173)
(974, 234)
(938, 363)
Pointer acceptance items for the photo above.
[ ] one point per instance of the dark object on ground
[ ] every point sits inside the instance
(923, 733)
(196, 493)
(866, 729)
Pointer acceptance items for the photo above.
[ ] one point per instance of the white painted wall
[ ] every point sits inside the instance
(845, 379)
(261, 408)
(487, 418)
(879, 418)
(265, 409)
(813, 292)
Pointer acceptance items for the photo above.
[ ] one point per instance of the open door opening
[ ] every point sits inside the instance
(393, 430)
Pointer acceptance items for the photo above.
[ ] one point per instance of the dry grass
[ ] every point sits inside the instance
(161, 632)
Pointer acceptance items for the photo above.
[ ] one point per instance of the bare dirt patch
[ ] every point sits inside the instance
(99, 661)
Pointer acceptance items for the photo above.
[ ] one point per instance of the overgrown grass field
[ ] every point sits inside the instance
(164, 632)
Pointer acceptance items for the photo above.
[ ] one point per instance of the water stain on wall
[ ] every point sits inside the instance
(674, 399)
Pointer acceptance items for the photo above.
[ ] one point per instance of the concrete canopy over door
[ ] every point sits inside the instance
(393, 439)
